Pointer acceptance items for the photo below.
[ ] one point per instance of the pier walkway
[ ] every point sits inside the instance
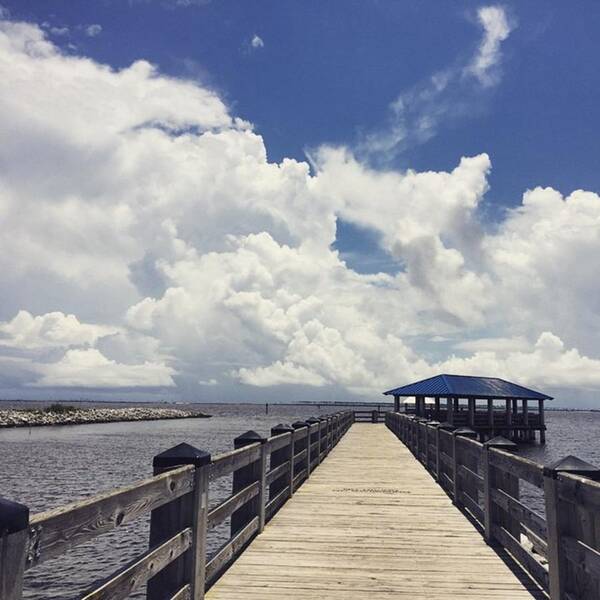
(370, 522)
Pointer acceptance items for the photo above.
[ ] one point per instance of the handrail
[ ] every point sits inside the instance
(560, 550)
(266, 472)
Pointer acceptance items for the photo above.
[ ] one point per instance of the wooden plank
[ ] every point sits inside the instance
(300, 434)
(471, 476)
(185, 593)
(518, 510)
(582, 555)
(228, 507)
(278, 471)
(583, 491)
(299, 477)
(385, 530)
(56, 531)
(522, 468)
(300, 456)
(227, 463)
(137, 573)
(472, 506)
(230, 550)
(279, 441)
(531, 565)
(274, 504)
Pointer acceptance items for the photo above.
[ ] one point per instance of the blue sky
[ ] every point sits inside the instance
(448, 150)
(328, 71)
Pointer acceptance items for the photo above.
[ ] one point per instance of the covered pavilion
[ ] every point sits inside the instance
(488, 405)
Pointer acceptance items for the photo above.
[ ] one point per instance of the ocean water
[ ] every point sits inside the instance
(45, 467)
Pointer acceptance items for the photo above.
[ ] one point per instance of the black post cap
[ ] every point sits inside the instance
(465, 432)
(501, 442)
(434, 423)
(447, 426)
(250, 437)
(299, 424)
(281, 428)
(312, 420)
(182, 454)
(13, 517)
(575, 466)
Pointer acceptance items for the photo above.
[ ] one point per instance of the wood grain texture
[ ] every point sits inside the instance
(55, 531)
(138, 572)
(370, 523)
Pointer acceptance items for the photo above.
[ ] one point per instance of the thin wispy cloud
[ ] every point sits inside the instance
(484, 65)
(417, 114)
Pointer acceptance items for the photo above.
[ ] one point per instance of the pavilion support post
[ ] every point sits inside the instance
(450, 410)
(526, 432)
(396, 403)
(471, 412)
(542, 422)
(437, 408)
(490, 417)
(509, 431)
(515, 412)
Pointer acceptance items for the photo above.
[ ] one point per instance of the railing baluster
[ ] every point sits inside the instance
(489, 482)
(172, 518)
(245, 476)
(559, 523)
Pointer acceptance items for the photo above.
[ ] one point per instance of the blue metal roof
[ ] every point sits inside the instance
(467, 386)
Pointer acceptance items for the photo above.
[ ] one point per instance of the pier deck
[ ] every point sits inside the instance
(370, 523)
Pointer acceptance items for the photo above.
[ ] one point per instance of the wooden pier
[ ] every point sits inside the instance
(370, 523)
(333, 508)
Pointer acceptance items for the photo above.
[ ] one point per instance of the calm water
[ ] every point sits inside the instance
(50, 466)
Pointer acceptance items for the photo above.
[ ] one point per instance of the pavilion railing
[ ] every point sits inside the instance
(558, 546)
(265, 473)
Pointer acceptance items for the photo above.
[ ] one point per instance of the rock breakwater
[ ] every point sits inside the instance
(79, 416)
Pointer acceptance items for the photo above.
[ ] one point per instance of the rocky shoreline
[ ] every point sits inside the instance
(80, 416)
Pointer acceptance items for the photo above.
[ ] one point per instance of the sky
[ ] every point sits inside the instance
(279, 201)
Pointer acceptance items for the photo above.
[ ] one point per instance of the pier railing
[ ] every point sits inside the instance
(266, 472)
(559, 549)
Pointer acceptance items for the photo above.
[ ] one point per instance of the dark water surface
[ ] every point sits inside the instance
(45, 467)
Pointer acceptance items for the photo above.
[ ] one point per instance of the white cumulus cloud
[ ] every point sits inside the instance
(257, 41)
(93, 30)
(148, 242)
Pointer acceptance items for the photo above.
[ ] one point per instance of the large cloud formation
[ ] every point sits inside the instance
(148, 244)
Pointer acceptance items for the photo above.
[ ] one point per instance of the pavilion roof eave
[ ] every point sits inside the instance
(476, 396)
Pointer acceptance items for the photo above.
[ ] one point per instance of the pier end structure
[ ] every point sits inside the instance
(489, 405)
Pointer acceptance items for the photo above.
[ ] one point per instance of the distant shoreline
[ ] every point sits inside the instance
(59, 414)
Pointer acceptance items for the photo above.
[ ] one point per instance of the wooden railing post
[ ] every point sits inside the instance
(313, 436)
(243, 477)
(278, 457)
(14, 537)
(456, 462)
(322, 438)
(559, 521)
(433, 425)
(166, 521)
(301, 445)
(489, 483)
